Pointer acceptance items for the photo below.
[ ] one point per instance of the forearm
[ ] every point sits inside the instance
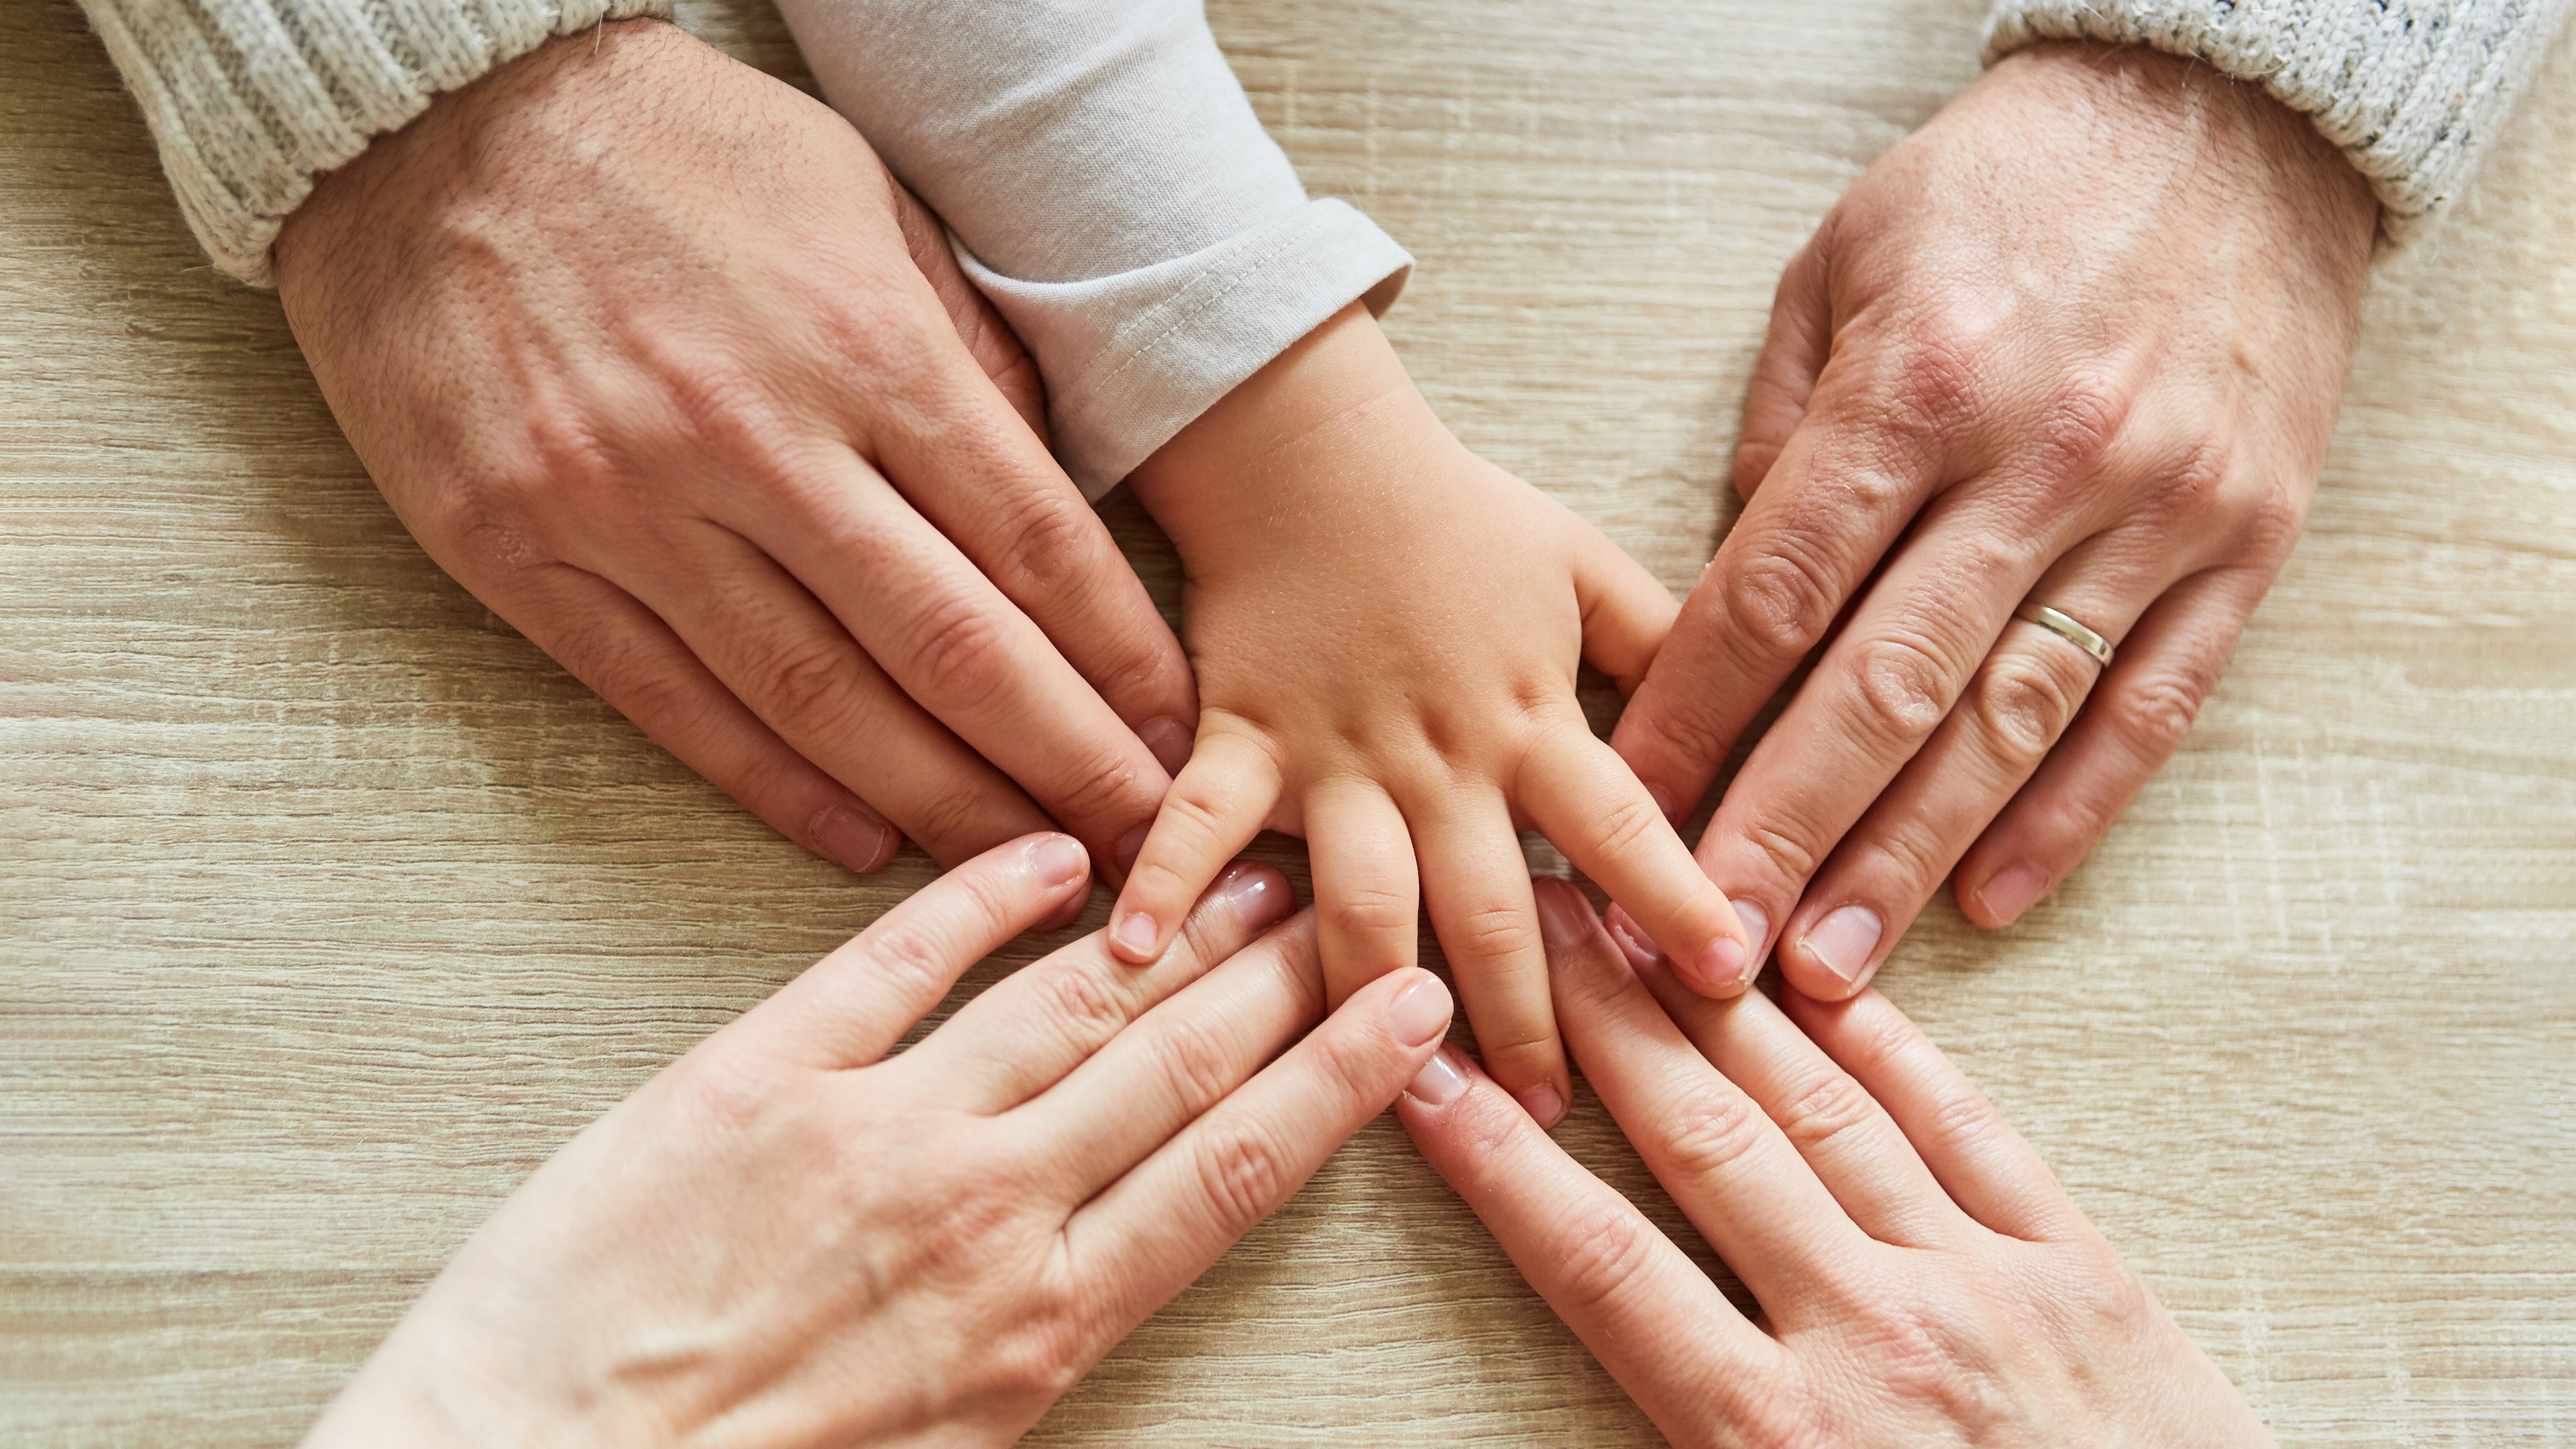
(2411, 91)
(250, 100)
(1113, 194)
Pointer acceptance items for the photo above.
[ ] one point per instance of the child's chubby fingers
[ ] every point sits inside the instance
(1222, 798)
(1583, 797)
(1367, 897)
(1476, 883)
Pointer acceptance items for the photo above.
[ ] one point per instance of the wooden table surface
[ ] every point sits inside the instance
(329, 906)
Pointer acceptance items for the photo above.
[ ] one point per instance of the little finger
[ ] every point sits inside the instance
(785, 656)
(2137, 717)
(624, 652)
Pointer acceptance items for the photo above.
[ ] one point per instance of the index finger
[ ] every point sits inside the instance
(1657, 1323)
(1827, 511)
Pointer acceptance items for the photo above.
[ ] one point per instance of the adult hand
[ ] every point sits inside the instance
(653, 355)
(1922, 1277)
(2079, 340)
(790, 1238)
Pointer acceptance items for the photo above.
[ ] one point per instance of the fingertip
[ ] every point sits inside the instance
(1441, 1081)
(1170, 741)
(1629, 938)
(1565, 918)
(1420, 1010)
(1544, 1102)
(1259, 894)
(1133, 935)
(2003, 897)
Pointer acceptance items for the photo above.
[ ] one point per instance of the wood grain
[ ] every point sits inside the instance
(329, 906)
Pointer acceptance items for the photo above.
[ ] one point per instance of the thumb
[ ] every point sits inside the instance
(1625, 612)
(1793, 353)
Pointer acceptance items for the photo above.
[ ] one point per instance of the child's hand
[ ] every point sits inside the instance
(1386, 630)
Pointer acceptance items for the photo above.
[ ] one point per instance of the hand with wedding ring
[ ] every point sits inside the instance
(2059, 372)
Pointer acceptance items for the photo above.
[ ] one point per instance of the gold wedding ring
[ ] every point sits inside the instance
(2064, 627)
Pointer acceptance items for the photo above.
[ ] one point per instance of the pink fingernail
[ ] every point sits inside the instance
(1668, 803)
(1757, 924)
(1542, 1103)
(1129, 847)
(1842, 942)
(1257, 894)
(1058, 859)
(854, 840)
(1632, 943)
(1564, 916)
(1135, 933)
(1440, 1082)
(2011, 891)
(1169, 739)
(1722, 964)
(1420, 1011)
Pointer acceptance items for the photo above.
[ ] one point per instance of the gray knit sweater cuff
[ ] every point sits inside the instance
(2412, 90)
(251, 99)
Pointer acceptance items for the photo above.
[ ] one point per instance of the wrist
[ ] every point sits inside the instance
(1333, 424)
(2170, 115)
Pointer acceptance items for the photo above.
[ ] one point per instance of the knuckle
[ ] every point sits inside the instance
(2025, 707)
(2271, 526)
(1790, 856)
(804, 688)
(1964, 1120)
(1710, 1130)
(1779, 603)
(1081, 1005)
(1242, 1173)
(1942, 380)
(1372, 912)
(1195, 1061)
(1102, 785)
(1626, 825)
(1497, 934)
(2156, 712)
(1602, 1250)
(957, 648)
(1055, 542)
(2075, 435)
(1902, 689)
(1829, 1108)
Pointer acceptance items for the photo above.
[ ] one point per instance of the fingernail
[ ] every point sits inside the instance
(1843, 941)
(1632, 943)
(1058, 859)
(1664, 799)
(854, 840)
(1169, 739)
(1440, 1081)
(1722, 964)
(1135, 933)
(2010, 891)
(1068, 913)
(1259, 896)
(1564, 916)
(1129, 848)
(1757, 925)
(1420, 1011)
(1542, 1103)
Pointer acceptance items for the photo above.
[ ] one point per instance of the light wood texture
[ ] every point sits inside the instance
(329, 906)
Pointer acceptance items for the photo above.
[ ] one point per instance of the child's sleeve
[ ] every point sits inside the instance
(2412, 90)
(1110, 190)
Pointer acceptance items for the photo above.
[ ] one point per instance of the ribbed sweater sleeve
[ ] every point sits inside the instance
(1111, 191)
(2412, 90)
(249, 100)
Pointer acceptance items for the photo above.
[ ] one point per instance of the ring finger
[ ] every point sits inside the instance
(2014, 710)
